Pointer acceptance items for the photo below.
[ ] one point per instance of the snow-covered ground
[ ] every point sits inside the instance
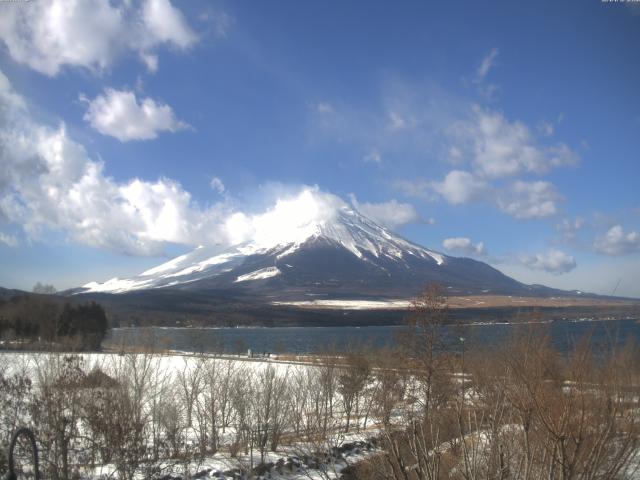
(259, 274)
(290, 395)
(172, 363)
(288, 463)
(350, 304)
(294, 458)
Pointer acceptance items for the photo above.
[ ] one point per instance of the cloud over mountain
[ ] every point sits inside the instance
(49, 181)
(391, 214)
(464, 245)
(554, 261)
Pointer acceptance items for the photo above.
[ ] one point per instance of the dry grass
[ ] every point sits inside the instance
(492, 301)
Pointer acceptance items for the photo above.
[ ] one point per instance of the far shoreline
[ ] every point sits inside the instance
(450, 324)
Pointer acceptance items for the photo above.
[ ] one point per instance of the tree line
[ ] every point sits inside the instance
(45, 321)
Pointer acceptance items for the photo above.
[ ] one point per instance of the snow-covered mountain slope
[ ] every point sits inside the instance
(340, 253)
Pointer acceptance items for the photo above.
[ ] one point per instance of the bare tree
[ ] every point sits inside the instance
(138, 375)
(423, 345)
(352, 380)
(300, 392)
(388, 386)
(56, 408)
(270, 408)
(190, 383)
(241, 394)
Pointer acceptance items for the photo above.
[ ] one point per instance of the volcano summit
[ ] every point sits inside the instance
(319, 246)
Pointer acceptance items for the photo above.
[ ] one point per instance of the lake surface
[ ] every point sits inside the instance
(302, 340)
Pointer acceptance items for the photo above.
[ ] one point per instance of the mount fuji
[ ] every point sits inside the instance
(318, 247)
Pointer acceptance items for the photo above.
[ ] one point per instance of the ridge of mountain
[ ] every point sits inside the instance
(339, 255)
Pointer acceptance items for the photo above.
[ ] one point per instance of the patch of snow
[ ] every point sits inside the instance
(259, 274)
(200, 266)
(170, 265)
(288, 251)
(349, 304)
(436, 256)
(115, 285)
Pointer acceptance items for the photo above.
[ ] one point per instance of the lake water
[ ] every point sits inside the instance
(301, 340)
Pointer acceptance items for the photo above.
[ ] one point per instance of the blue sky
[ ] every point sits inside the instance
(505, 131)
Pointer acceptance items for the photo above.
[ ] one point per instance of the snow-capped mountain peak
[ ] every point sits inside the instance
(285, 231)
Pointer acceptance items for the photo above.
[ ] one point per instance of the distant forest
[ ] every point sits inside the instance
(47, 321)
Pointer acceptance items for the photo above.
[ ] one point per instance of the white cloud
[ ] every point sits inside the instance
(294, 215)
(519, 199)
(49, 182)
(390, 214)
(487, 64)
(554, 261)
(217, 185)
(119, 114)
(530, 199)
(493, 159)
(165, 23)
(618, 242)
(48, 35)
(496, 147)
(460, 187)
(457, 187)
(464, 245)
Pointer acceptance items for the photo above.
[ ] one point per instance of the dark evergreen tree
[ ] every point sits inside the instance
(87, 321)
